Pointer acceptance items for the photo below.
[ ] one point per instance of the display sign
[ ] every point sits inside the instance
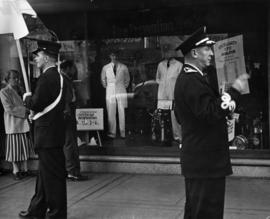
(165, 104)
(231, 129)
(89, 119)
(230, 61)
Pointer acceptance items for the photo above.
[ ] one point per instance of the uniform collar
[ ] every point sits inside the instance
(197, 69)
(45, 69)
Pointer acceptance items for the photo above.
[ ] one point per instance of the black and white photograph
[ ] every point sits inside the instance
(123, 109)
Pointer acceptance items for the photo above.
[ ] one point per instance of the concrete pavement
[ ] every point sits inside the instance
(137, 196)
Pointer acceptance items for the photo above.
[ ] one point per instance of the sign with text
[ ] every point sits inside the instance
(230, 61)
(231, 129)
(89, 119)
(165, 104)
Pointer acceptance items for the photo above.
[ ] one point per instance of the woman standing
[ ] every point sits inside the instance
(18, 143)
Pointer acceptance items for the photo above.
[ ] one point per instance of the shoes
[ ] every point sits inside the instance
(25, 173)
(78, 177)
(27, 215)
(80, 142)
(177, 140)
(17, 176)
(110, 138)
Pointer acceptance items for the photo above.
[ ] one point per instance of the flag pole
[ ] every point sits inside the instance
(25, 79)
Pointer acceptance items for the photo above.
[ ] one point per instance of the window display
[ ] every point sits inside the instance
(152, 66)
(146, 124)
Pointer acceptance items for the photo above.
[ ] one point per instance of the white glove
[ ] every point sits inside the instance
(26, 95)
(241, 82)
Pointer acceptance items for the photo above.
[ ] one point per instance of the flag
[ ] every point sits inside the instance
(11, 17)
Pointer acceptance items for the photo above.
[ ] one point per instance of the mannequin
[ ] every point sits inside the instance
(166, 76)
(115, 78)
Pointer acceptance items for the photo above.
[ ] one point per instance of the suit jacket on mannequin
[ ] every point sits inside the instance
(166, 78)
(115, 83)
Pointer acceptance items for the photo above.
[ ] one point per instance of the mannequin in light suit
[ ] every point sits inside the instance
(115, 78)
(167, 73)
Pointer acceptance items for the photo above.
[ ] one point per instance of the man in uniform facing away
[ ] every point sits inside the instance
(47, 102)
(202, 112)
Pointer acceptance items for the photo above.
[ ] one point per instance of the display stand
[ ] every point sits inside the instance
(90, 119)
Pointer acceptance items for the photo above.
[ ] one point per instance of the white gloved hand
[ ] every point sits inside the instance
(241, 82)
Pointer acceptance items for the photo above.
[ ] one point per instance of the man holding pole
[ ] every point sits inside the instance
(47, 102)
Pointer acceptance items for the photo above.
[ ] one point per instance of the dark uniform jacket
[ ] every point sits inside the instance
(49, 128)
(205, 149)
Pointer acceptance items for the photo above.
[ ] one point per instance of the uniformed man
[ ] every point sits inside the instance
(47, 102)
(115, 78)
(205, 158)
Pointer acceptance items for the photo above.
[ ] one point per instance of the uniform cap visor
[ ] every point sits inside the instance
(36, 51)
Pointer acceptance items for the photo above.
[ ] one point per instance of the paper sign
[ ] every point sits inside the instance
(164, 104)
(231, 129)
(230, 61)
(89, 119)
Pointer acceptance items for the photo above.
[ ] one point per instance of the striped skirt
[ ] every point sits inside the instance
(19, 147)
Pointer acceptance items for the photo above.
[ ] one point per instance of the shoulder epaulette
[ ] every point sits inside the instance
(189, 70)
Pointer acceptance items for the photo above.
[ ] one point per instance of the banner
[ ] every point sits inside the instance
(89, 119)
(230, 61)
(11, 17)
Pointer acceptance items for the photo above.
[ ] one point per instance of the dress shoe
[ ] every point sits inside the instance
(17, 176)
(110, 138)
(25, 173)
(78, 177)
(27, 215)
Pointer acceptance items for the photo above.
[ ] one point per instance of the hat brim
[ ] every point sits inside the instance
(45, 51)
(206, 43)
(185, 51)
(36, 51)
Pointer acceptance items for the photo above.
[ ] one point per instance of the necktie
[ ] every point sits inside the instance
(114, 69)
(168, 63)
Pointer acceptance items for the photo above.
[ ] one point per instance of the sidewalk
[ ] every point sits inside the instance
(128, 196)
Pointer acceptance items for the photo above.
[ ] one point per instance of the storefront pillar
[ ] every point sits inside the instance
(268, 59)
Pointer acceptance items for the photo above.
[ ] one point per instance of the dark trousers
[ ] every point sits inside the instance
(50, 192)
(204, 198)
(71, 149)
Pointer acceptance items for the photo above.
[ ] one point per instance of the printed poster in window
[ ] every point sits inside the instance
(230, 61)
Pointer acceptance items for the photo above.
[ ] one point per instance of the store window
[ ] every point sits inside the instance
(146, 119)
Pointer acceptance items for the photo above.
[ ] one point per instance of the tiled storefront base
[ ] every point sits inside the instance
(158, 165)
